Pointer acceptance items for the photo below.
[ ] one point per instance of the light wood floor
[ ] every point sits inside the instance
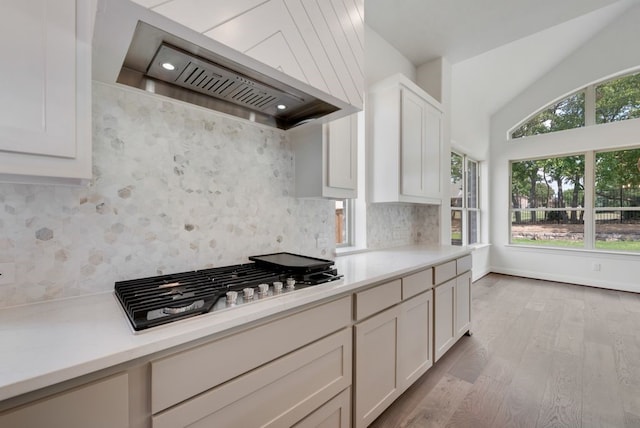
(542, 354)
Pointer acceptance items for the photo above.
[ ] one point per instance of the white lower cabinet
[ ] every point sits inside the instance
(336, 413)
(101, 404)
(415, 338)
(452, 304)
(376, 382)
(260, 376)
(392, 348)
(463, 304)
(445, 334)
(277, 394)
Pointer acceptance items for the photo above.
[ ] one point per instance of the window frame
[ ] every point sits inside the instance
(464, 209)
(590, 208)
(590, 108)
(349, 222)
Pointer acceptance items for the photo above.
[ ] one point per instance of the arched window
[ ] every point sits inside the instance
(611, 100)
(567, 113)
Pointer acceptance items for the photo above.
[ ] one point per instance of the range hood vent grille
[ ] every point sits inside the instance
(211, 79)
(201, 77)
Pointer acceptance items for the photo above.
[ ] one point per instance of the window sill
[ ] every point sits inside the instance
(478, 246)
(573, 250)
(345, 251)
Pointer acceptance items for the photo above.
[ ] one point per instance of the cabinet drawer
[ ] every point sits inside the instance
(104, 403)
(277, 394)
(463, 264)
(417, 283)
(378, 298)
(444, 272)
(181, 376)
(334, 414)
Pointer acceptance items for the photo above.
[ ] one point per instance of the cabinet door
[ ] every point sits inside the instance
(101, 404)
(336, 413)
(45, 116)
(463, 304)
(444, 311)
(433, 151)
(415, 338)
(412, 144)
(376, 382)
(341, 137)
(38, 112)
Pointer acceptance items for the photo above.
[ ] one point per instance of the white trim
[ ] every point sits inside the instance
(621, 286)
(550, 250)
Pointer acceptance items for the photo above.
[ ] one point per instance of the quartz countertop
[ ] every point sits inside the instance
(46, 343)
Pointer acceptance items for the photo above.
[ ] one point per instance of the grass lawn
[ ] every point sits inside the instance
(630, 246)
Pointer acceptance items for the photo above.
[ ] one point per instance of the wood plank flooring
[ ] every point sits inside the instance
(542, 354)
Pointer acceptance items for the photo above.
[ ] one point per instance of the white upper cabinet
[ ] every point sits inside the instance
(319, 43)
(326, 159)
(406, 126)
(45, 116)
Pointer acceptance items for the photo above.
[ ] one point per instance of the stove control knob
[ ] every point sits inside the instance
(248, 293)
(291, 283)
(263, 289)
(232, 296)
(277, 287)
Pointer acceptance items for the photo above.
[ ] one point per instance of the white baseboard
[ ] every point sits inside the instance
(621, 286)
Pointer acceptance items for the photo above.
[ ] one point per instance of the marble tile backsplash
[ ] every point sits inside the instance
(393, 225)
(174, 188)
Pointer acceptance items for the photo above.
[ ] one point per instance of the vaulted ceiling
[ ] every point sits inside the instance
(497, 48)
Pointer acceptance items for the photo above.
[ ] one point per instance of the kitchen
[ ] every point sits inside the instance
(176, 188)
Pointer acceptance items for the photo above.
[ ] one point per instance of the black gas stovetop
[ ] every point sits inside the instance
(149, 302)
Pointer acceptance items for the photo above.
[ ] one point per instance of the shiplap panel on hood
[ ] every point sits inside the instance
(317, 42)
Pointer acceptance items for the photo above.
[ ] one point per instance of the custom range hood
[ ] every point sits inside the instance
(142, 49)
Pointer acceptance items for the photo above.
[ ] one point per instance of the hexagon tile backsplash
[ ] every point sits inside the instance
(174, 188)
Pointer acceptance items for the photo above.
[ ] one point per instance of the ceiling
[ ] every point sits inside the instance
(460, 29)
(497, 48)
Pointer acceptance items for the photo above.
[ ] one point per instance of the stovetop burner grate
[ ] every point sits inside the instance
(153, 301)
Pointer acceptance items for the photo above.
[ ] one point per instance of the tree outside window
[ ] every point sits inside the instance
(465, 211)
(548, 201)
(614, 100)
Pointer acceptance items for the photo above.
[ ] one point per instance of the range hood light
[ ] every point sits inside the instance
(168, 66)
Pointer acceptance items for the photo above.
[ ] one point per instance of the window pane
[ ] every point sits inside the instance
(617, 230)
(472, 184)
(456, 227)
(548, 183)
(618, 186)
(553, 228)
(618, 99)
(341, 222)
(565, 114)
(618, 179)
(557, 185)
(456, 180)
(473, 226)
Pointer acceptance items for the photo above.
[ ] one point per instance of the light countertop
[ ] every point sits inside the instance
(46, 343)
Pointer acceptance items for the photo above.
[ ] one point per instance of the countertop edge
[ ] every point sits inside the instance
(129, 346)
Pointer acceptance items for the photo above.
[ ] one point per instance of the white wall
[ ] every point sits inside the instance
(383, 60)
(597, 59)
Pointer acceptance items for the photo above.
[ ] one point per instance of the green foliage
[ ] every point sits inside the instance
(565, 114)
(618, 99)
(617, 169)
